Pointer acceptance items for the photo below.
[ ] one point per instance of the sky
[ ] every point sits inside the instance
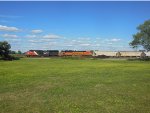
(105, 26)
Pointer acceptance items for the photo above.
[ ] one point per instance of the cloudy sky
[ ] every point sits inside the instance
(71, 25)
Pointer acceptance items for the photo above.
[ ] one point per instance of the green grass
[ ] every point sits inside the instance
(74, 86)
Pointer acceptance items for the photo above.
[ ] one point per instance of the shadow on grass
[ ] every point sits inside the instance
(139, 59)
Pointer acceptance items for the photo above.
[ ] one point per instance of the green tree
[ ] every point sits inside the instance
(19, 52)
(5, 49)
(142, 37)
(12, 52)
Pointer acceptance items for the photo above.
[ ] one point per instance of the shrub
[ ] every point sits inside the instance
(10, 58)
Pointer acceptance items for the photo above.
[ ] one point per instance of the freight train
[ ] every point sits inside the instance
(52, 53)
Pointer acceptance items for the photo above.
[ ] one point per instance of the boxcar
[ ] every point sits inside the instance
(53, 52)
(147, 54)
(130, 53)
(105, 53)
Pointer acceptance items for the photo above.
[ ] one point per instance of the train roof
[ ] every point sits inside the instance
(46, 50)
(72, 51)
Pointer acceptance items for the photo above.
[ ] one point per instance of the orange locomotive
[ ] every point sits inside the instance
(75, 53)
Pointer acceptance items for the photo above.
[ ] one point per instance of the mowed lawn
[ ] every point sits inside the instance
(74, 86)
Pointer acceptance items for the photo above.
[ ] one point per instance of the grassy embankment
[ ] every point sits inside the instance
(74, 86)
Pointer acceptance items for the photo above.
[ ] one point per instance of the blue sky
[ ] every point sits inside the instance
(71, 25)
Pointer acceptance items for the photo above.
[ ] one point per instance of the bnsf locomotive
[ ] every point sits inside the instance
(75, 53)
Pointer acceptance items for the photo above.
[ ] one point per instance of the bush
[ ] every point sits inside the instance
(10, 58)
(145, 59)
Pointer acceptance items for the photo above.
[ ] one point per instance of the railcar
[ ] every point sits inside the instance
(53, 53)
(130, 53)
(104, 53)
(147, 54)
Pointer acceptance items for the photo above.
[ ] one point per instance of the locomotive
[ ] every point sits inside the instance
(75, 53)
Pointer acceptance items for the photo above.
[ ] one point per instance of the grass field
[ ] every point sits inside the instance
(74, 86)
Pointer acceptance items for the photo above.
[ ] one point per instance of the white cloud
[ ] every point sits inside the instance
(84, 38)
(13, 40)
(69, 45)
(84, 44)
(36, 31)
(51, 36)
(46, 40)
(74, 40)
(110, 43)
(97, 45)
(9, 36)
(115, 40)
(6, 28)
(31, 36)
(34, 41)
